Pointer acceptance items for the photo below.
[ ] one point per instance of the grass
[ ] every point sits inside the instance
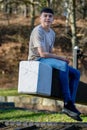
(35, 116)
(8, 92)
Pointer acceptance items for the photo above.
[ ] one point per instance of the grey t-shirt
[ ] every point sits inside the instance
(40, 38)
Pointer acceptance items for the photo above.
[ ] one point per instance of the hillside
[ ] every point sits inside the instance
(14, 38)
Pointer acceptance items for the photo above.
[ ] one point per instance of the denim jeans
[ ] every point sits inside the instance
(69, 77)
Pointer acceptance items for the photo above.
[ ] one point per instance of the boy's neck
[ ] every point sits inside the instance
(47, 29)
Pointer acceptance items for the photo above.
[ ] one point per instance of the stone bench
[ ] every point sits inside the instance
(39, 79)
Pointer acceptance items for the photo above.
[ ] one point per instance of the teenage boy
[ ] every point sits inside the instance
(40, 48)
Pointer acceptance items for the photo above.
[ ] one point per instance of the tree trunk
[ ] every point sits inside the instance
(32, 14)
(72, 20)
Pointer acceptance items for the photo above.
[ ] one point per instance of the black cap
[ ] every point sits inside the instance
(47, 10)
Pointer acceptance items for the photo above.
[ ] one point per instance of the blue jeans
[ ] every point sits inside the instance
(69, 77)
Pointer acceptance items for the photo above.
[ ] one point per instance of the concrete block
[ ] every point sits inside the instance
(34, 78)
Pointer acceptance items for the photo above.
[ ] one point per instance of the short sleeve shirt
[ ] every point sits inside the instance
(40, 38)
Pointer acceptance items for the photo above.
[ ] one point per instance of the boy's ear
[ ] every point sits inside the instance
(40, 16)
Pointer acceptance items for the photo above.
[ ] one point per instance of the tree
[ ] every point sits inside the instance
(72, 20)
(83, 4)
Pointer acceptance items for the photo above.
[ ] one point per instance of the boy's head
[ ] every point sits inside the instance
(47, 10)
(46, 17)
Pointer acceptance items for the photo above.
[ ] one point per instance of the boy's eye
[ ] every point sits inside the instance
(50, 16)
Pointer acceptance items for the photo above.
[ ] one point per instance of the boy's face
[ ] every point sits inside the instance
(46, 19)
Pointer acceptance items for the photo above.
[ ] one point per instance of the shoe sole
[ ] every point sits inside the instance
(68, 112)
(71, 114)
(78, 118)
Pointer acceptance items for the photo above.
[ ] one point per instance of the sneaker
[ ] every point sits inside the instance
(71, 106)
(79, 113)
(71, 111)
(78, 118)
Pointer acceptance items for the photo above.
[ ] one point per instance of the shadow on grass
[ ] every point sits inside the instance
(24, 115)
(8, 114)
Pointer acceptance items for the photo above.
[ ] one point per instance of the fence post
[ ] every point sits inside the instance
(75, 57)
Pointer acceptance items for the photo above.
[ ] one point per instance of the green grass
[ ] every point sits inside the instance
(26, 115)
(39, 116)
(8, 92)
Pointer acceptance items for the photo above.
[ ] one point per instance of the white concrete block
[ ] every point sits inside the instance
(34, 77)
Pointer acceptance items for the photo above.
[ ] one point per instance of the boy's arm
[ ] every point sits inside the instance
(44, 54)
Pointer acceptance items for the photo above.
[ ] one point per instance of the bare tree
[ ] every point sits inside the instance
(72, 20)
(83, 4)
